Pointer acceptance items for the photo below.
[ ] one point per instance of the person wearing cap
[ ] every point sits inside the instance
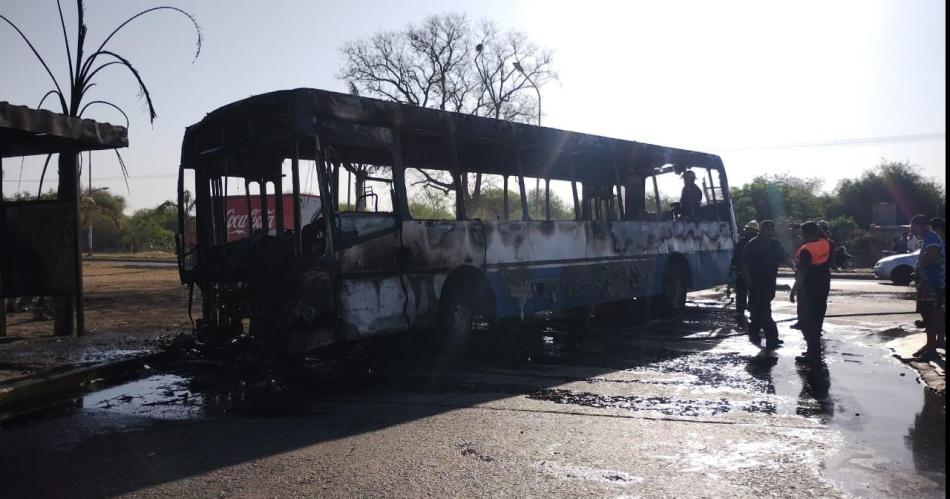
(761, 259)
(931, 284)
(691, 197)
(750, 230)
(812, 285)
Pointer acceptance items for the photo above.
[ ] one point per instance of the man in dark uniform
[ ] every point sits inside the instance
(750, 230)
(812, 285)
(691, 197)
(760, 262)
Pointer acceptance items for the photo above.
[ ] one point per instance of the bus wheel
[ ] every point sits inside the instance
(457, 317)
(673, 301)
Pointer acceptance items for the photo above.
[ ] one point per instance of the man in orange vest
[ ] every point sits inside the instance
(812, 285)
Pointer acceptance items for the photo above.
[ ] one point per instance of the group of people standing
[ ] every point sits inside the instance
(758, 256)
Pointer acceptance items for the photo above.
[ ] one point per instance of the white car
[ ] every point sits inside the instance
(897, 268)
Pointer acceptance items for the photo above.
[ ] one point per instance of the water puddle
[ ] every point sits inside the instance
(159, 396)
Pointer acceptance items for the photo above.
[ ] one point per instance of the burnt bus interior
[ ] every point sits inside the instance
(369, 161)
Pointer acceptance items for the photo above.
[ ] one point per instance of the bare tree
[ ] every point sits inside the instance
(446, 63)
(508, 64)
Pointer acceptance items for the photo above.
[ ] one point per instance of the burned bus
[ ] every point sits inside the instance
(431, 220)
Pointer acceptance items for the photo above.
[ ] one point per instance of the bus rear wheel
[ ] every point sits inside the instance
(672, 302)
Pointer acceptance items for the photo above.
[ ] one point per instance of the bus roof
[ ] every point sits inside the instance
(245, 136)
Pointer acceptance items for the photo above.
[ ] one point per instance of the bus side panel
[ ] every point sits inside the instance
(525, 264)
(381, 305)
(533, 269)
(709, 268)
(533, 242)
(533, 288)
(707, 247)
(442, 245)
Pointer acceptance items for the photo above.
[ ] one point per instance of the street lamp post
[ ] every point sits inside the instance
(537, 181)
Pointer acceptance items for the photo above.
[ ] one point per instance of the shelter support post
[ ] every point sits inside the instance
(68, 310)
(3, 300)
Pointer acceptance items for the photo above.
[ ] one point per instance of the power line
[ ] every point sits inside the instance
(101, 179)
(884, 139)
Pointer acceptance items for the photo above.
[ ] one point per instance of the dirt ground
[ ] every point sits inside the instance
(120, 297)
(131, 308)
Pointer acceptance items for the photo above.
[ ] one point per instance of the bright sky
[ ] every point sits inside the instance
(854, 82)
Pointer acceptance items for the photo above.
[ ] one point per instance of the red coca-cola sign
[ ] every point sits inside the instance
(240, 223)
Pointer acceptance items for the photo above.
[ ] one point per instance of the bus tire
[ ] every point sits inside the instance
(672, 302)
(456, 318)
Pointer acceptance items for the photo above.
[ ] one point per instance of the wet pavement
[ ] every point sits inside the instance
(684, 408)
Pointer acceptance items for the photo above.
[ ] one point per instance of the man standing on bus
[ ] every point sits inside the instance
(760, 261)
(691, 197)
(812, 285)
(750, 230)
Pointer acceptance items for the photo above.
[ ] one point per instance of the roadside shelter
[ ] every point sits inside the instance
(39, 239)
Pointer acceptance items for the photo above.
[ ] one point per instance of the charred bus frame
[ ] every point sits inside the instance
(345, 274)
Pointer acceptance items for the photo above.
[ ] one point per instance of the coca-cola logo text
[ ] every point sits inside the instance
(237, 221)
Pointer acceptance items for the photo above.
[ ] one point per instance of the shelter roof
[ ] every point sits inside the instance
(27, 132)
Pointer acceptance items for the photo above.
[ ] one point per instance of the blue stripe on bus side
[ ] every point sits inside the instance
(568, 286)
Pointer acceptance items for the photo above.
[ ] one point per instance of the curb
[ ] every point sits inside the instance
(862, 277)
(130, 260)
(32, 393)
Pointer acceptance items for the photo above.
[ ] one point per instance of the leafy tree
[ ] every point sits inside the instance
(783, 198)
(891, 182)
(167, 215)
(559, 208)
(99, 202)
(145, 231)
(425, 205)
(492, 205)
(105, 213)
(422, 210)
(26, 196)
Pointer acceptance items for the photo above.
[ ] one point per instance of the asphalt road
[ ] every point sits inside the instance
(688, 408)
